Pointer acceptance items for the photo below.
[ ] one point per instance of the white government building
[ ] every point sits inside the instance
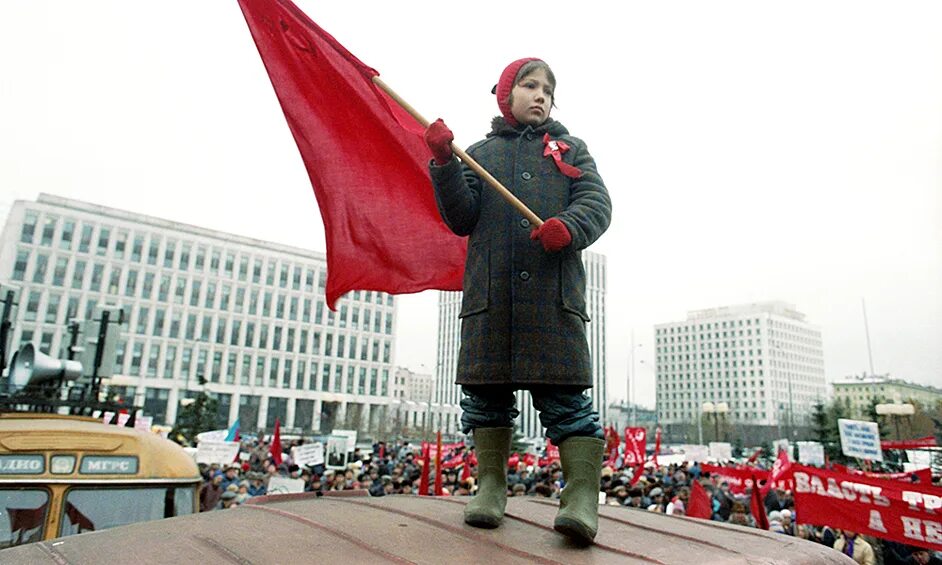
(447, 394)
(764, 360)
(248, 315)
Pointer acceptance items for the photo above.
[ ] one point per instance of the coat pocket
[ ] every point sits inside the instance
(572, 283)
(477, 280)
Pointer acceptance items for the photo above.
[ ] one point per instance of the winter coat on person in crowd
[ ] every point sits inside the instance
(857, 548)
(524, 310)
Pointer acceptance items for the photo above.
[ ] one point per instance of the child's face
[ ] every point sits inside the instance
(532, 98)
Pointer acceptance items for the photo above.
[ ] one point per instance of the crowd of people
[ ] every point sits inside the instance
(396, 469)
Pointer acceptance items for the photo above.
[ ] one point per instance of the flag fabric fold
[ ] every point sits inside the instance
(275, 448)
(233, 433)
(365, 156)
(700, 504)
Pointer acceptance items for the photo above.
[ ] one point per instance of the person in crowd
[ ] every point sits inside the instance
(229, 499)
(231, 475)
(257, 485)
(921, 556)
(738, 515)
(855, 547)
(775, 522)
(657, 500)
(678, 505)
(210, 493)
(535, 273)
(243, 492)
(788, 527)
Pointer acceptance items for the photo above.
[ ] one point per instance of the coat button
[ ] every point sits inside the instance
(524, 223)
(526, 175)
(525, 276)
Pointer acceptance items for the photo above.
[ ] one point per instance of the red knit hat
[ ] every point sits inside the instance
(506, 84)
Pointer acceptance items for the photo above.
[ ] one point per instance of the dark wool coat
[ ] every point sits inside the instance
(524, 310)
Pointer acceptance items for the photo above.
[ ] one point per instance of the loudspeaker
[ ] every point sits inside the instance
(32, 367)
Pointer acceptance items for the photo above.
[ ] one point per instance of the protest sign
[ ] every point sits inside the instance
(309, 454)
(214, 435)
(893, 510)
(284, 485)
(696, 452)
(336, 452)
(860, 439)
(143, 423)
(721, 451)
(221, 452)
(351, 436)
(811, 453)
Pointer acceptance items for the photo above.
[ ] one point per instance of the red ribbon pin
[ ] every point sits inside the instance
(555, 148)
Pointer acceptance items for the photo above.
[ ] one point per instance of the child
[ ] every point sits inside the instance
(523, 311)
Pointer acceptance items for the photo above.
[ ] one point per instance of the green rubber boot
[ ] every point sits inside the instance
(486, 509)
(578, 517)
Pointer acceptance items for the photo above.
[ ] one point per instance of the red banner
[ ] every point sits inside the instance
(928, 441)
(551, 455)
(890, 510)
(739, 480)
(635, 443)
(924, 475)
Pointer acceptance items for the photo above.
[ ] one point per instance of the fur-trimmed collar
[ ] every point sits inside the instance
(499, 126)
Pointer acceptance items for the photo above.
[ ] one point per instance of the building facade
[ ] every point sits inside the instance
(765, 361)
(247, 316)
(448, 394)
(858, 393)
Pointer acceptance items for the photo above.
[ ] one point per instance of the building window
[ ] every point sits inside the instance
(98, 275)
(85, 242)
(19, 267)
(217, 366)
(200, 260)
(283, 279)
(52, 308)
(153, 251)
(246, 368)
(103, 235)
(257, 271)
(184, 262)
(243, 268)
(169, 357)
(231, 368)
(120, 244)
(39, 269)
(49, 230)
(130, 286)
(230, 264)
(29, 226)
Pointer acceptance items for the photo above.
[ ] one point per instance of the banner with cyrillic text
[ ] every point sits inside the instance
(883, 508)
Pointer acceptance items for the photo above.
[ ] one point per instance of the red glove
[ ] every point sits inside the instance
(438, 138)
(553, 234)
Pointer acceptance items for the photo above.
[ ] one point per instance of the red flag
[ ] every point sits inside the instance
(657, 444)
(365, 156)
(780, 470)
(758, 507)
(426, 463)
(699, 505)
(275, 448)
(513, 461)
(438, 466)
(754, 456)
(466, 469)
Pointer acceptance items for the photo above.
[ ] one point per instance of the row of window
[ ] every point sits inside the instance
(198, 293)
(173, 254)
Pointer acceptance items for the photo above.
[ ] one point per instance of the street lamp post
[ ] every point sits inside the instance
(715, 410)
(896, 410)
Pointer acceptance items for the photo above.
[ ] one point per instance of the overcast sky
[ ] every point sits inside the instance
(754, 150)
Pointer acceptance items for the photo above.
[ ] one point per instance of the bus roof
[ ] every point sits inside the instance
(31, 433)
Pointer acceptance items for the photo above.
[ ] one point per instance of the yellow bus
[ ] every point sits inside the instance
(64, 475)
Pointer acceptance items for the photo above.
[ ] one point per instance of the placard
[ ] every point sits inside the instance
(336, 456)
(860, 439)
(811, 453)
(309, 454)
(284, 485)
(696, 453)
(721, 450)
(221, 452)
(351, 436)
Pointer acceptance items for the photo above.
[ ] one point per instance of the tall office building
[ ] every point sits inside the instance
(765, 361)
(447, 393)
(249, 316)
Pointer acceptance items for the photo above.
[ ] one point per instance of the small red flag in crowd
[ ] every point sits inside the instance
(699, 505)
(275, 448)
(365, 156)
(426, 463)
(438, 466)
(758, 507)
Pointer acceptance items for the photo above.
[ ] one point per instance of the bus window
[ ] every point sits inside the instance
(90, 509)
(22, 516)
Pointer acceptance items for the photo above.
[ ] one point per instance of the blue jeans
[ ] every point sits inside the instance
(565, 411)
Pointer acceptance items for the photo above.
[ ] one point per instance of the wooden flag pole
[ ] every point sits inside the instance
(477, 168)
